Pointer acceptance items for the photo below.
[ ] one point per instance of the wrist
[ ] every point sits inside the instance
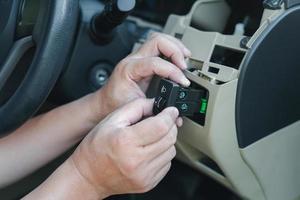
(96, 107)
(82, 185)
(65, 183)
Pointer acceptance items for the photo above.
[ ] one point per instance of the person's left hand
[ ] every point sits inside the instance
(132, 76)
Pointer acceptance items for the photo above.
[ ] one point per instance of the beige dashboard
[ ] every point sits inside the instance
(212, 147)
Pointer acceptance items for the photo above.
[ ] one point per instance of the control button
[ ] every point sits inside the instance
(163, 89)
(203, 107)
(182, 95)
(184, 107)
(187, 108)
(166, 88)
(190, 102)
(159, 103)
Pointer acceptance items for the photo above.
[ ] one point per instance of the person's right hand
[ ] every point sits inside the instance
(132, 76)
(126, 155)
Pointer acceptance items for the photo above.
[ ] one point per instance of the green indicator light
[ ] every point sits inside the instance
(203, 106)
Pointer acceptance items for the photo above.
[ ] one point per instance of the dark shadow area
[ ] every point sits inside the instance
(184, 183)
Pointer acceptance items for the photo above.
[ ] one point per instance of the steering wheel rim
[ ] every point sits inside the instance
(53, 37)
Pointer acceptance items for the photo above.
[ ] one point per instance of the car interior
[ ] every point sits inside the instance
(241, 131)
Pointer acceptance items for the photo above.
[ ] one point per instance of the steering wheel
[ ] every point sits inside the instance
(52, 37)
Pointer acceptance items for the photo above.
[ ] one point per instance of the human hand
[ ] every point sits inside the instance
(132, 75)
(126, 155)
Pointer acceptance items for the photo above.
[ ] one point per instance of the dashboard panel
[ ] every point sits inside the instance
(221, 62)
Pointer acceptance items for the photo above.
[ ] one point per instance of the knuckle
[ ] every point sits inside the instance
(130, 167)
(173, 138)
(178, 53)
(121, 141)
(139, 101)
(162, 126)
(167, 121)
(173, 152)
(140, 182)
(158, 38)
(155, 62)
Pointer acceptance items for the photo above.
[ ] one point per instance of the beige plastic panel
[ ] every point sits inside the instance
(276, 162)
(217, 139)
(261, 171)
(209, 14)
(184, 154)
(202, 45)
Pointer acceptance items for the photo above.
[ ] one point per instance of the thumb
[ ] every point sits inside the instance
(134, 111)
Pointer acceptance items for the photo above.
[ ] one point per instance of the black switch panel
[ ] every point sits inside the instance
(191, 102)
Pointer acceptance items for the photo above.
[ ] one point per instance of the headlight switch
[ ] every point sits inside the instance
(189, 101)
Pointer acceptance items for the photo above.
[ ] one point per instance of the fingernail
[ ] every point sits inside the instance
(185, 82)
(179, 122)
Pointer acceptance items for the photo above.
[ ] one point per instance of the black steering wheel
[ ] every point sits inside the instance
(52, 37)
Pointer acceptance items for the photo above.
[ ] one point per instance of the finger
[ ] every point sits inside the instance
(153, 129)
(156, 149)
(155, 178)
(158, 45)
(185, 50)
(162, 159)
(161, 174)
(133, 112)
(145, 67)
(179, 122)
(158, 166)
(182, 47)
